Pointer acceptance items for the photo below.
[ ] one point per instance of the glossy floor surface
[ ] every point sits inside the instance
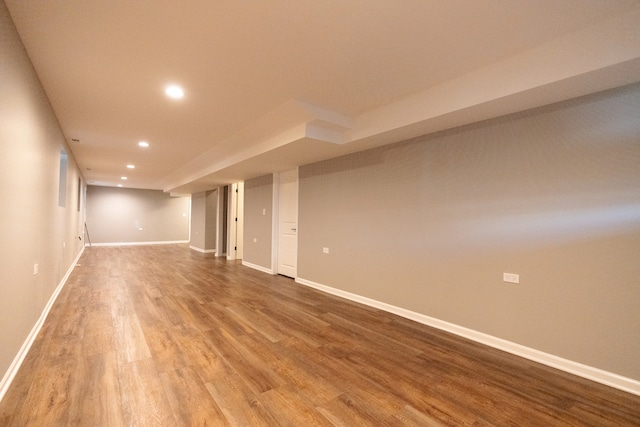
(163, 336)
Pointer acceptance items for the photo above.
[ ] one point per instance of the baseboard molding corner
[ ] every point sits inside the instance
(610, 379)
(8, 377)
(257, 267)
(202, 251)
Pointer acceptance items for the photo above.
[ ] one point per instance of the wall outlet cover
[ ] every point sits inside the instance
(511, 277)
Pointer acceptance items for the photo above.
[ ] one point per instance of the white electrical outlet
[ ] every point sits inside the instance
(325, 250)
(511, 277)
(255, 240)
(264, 211)
(35, 269)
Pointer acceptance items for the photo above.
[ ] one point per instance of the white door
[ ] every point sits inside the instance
(288, 223)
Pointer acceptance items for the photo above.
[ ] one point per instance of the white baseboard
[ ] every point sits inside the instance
(22, 353)
(257, 267)
(595, 374)
(204, 251)
(161, 242)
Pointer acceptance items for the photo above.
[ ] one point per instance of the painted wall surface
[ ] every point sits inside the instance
(211, 220)
(125, 215)
(258, 198)
(33, 228)
(431, 225)
(198, 220)
(204, 221)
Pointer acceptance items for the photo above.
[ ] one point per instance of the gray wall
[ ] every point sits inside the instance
(431, 224)
(125, 215)
(204, 221)
(198, 220)
(211, 221)
(258, 196)
(33, 228)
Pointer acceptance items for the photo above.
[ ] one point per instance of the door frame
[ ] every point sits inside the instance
(275, 220)
(235, 221)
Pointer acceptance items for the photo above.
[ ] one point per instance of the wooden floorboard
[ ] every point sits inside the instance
(163, 336)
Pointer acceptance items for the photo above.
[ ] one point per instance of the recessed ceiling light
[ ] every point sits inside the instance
(131, 166)
(143, 144)
(123, 177)
(174, 92)
(119, 185)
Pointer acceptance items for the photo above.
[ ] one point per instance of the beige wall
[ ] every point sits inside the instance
(198, 220)
(33, 228)
(126, 215)
(211, 221)
(204, 220)
(431, 224)
(258, 198)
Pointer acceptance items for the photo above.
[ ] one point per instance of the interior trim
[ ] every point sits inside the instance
(620, 382)
(26, 346)
(197, 249)
(163, 242)
(257, 267)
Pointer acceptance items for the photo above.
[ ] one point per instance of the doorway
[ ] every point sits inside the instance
(288, 223)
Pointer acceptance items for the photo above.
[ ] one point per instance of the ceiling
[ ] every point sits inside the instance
(270, 85)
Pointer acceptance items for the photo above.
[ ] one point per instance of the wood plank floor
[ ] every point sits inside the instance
(163, 336)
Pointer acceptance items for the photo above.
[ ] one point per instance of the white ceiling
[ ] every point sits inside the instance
(275, 84)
